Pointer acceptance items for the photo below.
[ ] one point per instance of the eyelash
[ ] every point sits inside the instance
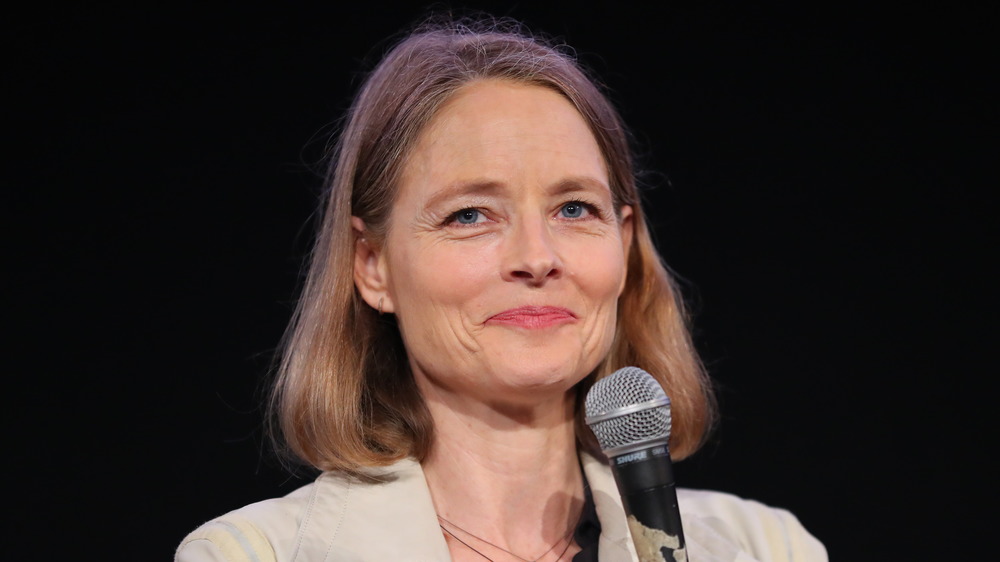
(592, 209)
(453, 218)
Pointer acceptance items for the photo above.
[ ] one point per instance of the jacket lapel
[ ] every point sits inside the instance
(616, 542)
(349, 520)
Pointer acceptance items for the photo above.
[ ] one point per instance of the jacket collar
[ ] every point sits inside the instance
(338, 522)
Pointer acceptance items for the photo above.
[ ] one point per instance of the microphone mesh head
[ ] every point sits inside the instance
(623, 390)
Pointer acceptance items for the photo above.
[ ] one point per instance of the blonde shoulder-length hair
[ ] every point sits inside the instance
(344, 397)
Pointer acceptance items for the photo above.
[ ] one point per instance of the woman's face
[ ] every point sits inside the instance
(504, 257)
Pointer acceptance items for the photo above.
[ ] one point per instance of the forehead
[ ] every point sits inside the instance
(504, 132)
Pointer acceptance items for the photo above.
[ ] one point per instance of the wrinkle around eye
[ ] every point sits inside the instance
(590, 210)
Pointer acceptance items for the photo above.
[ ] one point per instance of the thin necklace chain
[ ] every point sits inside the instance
(565, 538)
(469, 546)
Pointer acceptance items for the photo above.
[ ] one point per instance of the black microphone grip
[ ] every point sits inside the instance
(645, 481)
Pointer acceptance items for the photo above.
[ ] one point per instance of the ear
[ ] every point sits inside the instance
(371, 274)
(627, 227)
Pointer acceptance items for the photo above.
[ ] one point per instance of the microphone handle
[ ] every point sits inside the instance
(645, 481)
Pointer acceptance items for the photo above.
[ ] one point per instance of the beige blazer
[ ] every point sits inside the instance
(340, 519)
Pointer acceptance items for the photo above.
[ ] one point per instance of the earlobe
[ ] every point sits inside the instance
(627, 227)
(370, 272)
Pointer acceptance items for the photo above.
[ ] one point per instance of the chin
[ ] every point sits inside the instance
(539, 377)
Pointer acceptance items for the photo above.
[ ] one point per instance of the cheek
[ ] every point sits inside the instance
(600, 271)
(601, 278)
(440, 294)
(439, 283)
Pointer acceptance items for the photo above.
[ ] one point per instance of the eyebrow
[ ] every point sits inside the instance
(572, 184)
(580, 183)
(464, 188)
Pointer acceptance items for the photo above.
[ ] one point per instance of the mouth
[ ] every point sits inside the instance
(533, 317)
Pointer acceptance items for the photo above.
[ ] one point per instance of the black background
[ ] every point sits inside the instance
(816, 176)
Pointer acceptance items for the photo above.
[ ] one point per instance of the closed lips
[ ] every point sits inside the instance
(533, 316)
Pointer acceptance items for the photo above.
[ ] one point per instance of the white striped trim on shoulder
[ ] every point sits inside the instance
(236, 538)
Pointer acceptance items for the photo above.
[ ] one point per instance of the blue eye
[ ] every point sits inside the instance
(572, 210)
(467, 216)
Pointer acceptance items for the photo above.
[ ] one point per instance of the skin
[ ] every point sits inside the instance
(503, 264)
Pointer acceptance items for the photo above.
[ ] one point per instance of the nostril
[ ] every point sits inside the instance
(536, 273)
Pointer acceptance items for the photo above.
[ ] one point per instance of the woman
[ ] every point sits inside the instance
(482, 260)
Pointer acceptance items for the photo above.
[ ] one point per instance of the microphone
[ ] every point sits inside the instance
(630, 415)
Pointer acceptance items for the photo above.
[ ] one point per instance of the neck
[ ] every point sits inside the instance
(508, 475)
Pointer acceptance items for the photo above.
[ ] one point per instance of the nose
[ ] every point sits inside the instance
(531, 255)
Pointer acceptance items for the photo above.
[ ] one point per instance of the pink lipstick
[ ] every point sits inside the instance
(533, 317)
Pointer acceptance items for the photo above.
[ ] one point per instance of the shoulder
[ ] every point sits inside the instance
(336, 517)
(767, 533)
(266, 531)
